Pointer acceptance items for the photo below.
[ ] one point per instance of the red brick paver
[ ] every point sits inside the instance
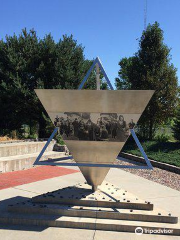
(12, 179)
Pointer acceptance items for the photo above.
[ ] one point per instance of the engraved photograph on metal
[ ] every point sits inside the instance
(113, 127)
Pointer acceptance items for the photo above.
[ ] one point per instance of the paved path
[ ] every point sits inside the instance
(12, 179)
(161, 196)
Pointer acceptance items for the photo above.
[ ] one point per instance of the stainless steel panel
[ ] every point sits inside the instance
(131, 103)
(117, 101)
(94, 152)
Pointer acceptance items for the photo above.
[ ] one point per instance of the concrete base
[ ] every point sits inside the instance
(107, 196)
(110, 208)
(161, 196)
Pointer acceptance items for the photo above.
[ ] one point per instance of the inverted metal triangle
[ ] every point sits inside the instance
(94, 155)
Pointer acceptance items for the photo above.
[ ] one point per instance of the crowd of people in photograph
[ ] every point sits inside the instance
(79, 126)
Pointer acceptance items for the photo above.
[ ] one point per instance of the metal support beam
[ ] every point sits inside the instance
(97, 60)
(45, 146)
(92, 165)
(141, 149)
(98, 83)
(104, 73)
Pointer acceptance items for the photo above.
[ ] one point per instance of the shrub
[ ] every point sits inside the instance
(59, 139)
(162, 137)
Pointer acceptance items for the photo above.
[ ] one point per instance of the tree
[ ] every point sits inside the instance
(27, 63)
(151, 68)
(176, 127)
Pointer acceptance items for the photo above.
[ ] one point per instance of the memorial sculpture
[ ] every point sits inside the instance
(94, 124)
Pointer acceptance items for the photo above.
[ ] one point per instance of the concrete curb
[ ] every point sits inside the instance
(160, 165)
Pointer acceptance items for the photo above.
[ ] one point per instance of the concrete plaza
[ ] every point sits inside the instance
(161, 196)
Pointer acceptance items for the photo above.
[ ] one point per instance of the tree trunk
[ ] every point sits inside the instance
(150, 129)
(42, 126)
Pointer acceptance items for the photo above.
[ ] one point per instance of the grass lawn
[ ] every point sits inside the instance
(167, 152)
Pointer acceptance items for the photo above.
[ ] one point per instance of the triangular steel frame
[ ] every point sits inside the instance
(50, 162)
(97, 60)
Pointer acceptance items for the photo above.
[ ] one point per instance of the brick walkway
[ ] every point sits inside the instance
(12, 179)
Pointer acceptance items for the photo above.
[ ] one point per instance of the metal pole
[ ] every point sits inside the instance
(45, 146)
(97, 77)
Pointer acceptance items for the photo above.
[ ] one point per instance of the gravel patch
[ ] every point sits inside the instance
(158, 175)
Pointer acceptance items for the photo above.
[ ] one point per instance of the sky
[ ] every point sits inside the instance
(109, 29)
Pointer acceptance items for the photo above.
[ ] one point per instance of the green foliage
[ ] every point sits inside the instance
(151, 68)
(162, 137)
(167, 152)
(27, 63)
(59, 139)
(48, 126)
(176, 127)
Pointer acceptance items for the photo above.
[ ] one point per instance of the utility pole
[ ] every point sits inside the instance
(145, 14)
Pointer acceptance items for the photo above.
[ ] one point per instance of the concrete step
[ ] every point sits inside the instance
(98, 203)
(156, 215)
(110, 208)
(88, 223)
(25, 161)
(20, 148)
(107, 196)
